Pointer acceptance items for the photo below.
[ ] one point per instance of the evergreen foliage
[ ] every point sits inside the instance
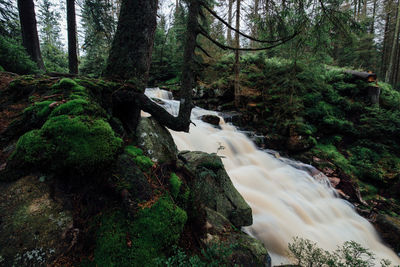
(99, 24)
(13, 57)
(54, 57)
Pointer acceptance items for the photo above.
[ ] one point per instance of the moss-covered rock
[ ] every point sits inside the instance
(155, 141)
(247, 251)
(211, 187)
(129, 178)
(79, 145)
(137, 242)
(33, 224)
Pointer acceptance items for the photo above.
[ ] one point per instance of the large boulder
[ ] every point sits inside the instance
(156, 141)
(130, 181)
(389, 228)
(246, 250)
(212, 187)
(35, 228)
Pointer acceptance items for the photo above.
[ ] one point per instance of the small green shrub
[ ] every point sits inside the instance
(218, 254)
(176, 184)
(14, 58)
(350, 254)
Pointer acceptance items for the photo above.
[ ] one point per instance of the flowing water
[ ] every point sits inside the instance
(286, 201)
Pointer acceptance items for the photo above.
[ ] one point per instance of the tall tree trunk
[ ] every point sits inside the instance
(359, 10)
(72, 40)
(128, 103)
(130, 54)
(237, 67)
(386, 38)
(372, 30)
(389, 71)
(256, 20)
(176, 7)
(229, 33)
(30, 38)
(355, 9)
(364, 9)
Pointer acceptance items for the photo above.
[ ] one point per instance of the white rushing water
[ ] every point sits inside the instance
(286, 202)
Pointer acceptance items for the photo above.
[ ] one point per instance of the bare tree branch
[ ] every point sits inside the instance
(203, 50)
(225, 47)
(243, 34)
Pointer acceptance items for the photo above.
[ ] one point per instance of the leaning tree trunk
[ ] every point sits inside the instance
(72, 40)
(236, 67)
(30, 39)
(128, 102)
(130, 54)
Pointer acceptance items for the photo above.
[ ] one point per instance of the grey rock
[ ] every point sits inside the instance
(213, 188)
(155, 141)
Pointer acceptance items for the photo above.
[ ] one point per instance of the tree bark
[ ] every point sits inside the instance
(237, 67)
(372, 30)
(229, 33)
(72, 39)
(386, 38)
(30, 39)
(128, 103)
(389, 71)
(130, 54)
(364, 9)
(255, 21)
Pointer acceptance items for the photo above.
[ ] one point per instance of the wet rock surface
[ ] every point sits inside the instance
(34, 226)
(213, 188)
(211, 119)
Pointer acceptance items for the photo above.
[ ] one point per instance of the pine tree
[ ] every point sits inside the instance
(54, 57)
(99, 24)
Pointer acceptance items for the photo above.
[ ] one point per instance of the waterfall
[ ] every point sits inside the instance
(286, 201)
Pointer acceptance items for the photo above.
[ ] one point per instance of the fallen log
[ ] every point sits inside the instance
(365, 76)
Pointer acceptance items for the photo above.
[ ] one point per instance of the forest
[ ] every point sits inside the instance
(200, 133)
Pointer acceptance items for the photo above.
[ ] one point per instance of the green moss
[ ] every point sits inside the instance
(143, 162)
(39, 110)
(78, 107)
(330, 152)
(121, 242)
(176, 184)
(67, 85)
(74, 144)
(1, 68)
(133, 151)
(32, 149)
(80, 142)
